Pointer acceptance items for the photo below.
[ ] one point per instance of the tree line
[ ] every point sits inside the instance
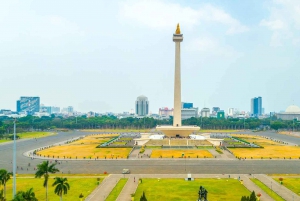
(111, 122)
(43, 170)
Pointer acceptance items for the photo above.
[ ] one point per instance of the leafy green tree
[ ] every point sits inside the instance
(245, 198)
(143, 197)
(252, 196)
(29, 195)
(4, 177)
(61, 186)
(43, 170)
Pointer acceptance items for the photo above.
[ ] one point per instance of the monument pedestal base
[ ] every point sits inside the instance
(180, 131)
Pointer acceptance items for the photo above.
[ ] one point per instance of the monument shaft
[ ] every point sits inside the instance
(177, 129)
(177, 38)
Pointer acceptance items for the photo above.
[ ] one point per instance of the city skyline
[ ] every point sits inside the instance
(63, 57)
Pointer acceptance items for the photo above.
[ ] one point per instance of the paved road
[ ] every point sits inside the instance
(273, 134)
(141, 166)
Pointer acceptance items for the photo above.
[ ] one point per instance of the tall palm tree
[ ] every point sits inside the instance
(4, 177)
(61, 186)
(1, 195)
(29, 195)
(44, 169)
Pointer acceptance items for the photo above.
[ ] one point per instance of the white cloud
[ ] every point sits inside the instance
(212, 46)
(159, 14)
(283, 21)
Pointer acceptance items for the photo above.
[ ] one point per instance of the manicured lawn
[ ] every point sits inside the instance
(86, 147)
(266, 189)
(218, 131)
(116, 190)
(291, 183)
(181, 190)
(35, 134)
(4, 140)
(30, 135)
(87, 151)
(192, 153)
(77, 186)
(270, 149)
(118, 130)
(119, 143)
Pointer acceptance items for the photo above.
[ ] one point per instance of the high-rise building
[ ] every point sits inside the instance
(230, 112)
(215, 110)
(70, 109)
(165, 112)
(46, 109)
(55, 110)
(187, 113)
(186, 105)
(205, 112)
(30, 105)
(221, 114)
(256, 106)
(142, 106)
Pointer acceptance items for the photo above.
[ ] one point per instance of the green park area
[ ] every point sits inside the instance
(117, 190)
(117, 130)
(181, 190)
(218, 131)
(87, 148)
(292, 183)
(77, 184)
(268, 149)
(24, 135)
(266, 189)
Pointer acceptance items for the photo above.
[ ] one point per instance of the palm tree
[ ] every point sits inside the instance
(44, 169)
(62, 186)
(1, 195)
(29, 195)
(4, 177)
(25, 196)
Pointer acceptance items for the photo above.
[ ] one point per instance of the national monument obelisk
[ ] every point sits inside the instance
(177, 129)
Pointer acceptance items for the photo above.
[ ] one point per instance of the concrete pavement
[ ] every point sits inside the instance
(281, 190)
(103, 190)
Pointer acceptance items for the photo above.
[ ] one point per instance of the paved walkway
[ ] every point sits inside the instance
(129, 188)
(281, 190)
(134, 154)
(252, 187)
(104, 189)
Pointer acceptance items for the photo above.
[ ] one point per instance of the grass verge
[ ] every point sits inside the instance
(266, 189)
(181, 190)
(116, 190)
(291, 183)
(77, 186)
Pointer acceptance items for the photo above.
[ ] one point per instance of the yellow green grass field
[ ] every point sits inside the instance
(35, 134)
(192, 153)
(266, 189)
(86, 148)
(116, 190)
(30, 135)
(218, 131)
(270, 149)
(291, 183)
(181, 190)
(77, 186)
(118, 130)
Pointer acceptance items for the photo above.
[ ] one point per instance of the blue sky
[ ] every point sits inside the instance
(101, 55)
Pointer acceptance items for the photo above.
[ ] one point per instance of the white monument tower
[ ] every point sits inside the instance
(177, 129)
(177, 38)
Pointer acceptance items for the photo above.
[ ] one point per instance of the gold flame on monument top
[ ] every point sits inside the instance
(178, 29)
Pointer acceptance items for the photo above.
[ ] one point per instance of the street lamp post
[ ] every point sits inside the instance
(14, 161)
